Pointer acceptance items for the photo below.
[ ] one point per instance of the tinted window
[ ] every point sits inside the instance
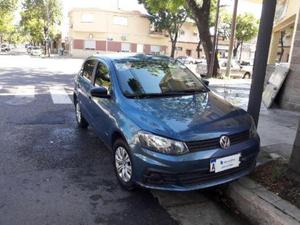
(88, 69)
(102, 77)
(155, 76)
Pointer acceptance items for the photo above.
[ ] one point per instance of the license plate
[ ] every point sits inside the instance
(225, 163)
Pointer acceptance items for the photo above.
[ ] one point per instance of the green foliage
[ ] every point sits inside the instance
(39, 18)
(7, 8)
(165, 17)
(246, 26)
(8, 5)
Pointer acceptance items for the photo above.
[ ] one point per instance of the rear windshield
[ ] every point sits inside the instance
(156, 77)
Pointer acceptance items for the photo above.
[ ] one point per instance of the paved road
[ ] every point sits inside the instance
(53, 173)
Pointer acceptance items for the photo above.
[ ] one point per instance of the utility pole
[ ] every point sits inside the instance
(213, 54)
(261, 57)
(233, 28)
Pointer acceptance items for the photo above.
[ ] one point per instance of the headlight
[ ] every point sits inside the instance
(252, 131)
(162, 145)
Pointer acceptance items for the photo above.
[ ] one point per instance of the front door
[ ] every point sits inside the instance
(101, 107)
(84, 87)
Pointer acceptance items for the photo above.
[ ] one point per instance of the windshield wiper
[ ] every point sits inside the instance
(166, 94)
(194, 91)
(154, 95)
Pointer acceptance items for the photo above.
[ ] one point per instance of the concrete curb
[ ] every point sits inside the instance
(261, 206)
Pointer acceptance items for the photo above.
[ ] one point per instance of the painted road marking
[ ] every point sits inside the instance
(23, 94)
(59, 95)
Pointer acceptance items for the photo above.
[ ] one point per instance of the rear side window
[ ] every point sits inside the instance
(88, 69)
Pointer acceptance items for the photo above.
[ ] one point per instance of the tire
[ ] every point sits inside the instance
(247, 74)
(81, 121)
(122, 163)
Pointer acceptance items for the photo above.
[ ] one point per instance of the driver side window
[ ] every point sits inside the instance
(102, 77)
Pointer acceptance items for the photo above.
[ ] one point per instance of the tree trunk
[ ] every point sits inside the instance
(294, 163)
(207, 44)
(173, 43)
(198, 49)
(173, 48)
(241, 52)
(201, 16)
(236, 49)
(281, 45)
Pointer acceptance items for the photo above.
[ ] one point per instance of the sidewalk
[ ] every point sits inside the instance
(277, 129)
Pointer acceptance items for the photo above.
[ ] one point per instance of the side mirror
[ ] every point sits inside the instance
(99, 92)
(206, 82)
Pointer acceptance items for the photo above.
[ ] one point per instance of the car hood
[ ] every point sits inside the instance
(187, 118)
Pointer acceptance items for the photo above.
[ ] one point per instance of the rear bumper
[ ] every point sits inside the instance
(191, 171)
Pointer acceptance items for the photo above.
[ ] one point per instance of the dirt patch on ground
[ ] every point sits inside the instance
(277, 177)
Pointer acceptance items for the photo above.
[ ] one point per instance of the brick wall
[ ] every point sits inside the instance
(290, 95)
(133, 47)
(114, 46)
(101, 45)
(78, 44)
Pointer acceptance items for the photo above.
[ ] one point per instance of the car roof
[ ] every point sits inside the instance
(137, 56)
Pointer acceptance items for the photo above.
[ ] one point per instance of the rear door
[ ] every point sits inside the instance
(84, 86)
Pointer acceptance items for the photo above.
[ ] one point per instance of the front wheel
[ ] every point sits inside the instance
(81, 121)
(123, 164)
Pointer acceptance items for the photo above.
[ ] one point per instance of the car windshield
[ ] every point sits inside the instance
(156, 77)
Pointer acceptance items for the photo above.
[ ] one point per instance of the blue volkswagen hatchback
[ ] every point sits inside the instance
(166, 129)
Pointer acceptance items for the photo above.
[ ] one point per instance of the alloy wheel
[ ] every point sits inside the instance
(123, 164)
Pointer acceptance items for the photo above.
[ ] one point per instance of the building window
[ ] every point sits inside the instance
(125, 47)
(87, 18)
(179, 48)
(118, 20)
(181, 32)
(155, 49)
(90, 44)
(195, 33)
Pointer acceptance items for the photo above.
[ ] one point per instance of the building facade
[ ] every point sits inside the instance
(187, 42)
(285, 48)
(98, 31)
(93, 30)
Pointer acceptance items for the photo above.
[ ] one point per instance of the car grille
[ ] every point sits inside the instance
(203, 145)
(199, 176)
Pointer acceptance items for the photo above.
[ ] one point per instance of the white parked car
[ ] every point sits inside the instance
(36, 51)
(186, 59)
(5, 48)
(237, 71)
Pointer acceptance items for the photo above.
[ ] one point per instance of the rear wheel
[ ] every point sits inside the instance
(81, 121)
(123, 164)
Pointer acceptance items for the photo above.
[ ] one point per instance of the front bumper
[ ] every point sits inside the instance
(191, 171)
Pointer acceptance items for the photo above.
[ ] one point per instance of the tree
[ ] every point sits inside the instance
(246, 29)
(7, 8)
(200, 11)
(203, 16)
(165, 19)
(295, 156)
(39, 18)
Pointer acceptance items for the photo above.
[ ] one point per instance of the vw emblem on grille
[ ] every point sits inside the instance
(224, 142)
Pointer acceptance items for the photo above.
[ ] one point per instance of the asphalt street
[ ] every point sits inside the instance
(51, 172)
